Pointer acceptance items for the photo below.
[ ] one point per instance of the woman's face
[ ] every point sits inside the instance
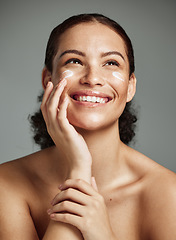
(93, 59)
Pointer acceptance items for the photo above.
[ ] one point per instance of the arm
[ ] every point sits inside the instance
(71, 144)
(15, 216)
(15, 219)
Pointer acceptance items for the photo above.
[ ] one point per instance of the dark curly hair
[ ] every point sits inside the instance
(127, 119)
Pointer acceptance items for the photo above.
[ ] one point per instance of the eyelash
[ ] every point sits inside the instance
(73, 60)
(77, 61)
(113, 62)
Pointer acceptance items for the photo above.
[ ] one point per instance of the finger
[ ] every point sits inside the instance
(47, 92)
(67, 207)
(56, 94)
(46, 95)
(53, 102)
(62, 115)
(79, 184)
(63, 107)
(67, 218)
(70, 194)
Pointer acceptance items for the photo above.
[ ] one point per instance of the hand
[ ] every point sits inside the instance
(80, 205)
(66, 138)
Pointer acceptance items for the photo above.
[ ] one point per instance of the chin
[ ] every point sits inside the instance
(89, 122)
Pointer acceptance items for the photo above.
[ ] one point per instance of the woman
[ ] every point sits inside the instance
(89, 184)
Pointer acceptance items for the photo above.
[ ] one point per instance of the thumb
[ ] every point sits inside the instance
(93, 183)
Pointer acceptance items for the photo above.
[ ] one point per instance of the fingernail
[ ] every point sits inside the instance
(49, 211)
(48, 84)
(60, 186)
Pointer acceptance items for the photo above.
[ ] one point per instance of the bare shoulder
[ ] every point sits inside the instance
(159, 201)
(26, 169)
(25, 175)
(158, 197)
(161, 186)
(17, 173)
(16, 189)
(13, 175)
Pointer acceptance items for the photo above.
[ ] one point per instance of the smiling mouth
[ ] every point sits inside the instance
(91, 99)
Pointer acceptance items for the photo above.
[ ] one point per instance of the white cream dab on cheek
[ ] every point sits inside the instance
(67, 74)
(118, 76)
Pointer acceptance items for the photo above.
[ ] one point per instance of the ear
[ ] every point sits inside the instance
(46, 77)
(131, 87)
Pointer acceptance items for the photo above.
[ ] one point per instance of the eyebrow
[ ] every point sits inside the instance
(113, 53)
(70, 51)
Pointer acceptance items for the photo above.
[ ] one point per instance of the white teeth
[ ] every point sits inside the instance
(90, 99)
(94, 99)
(84, 98)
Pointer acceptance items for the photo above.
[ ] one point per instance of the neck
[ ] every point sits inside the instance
(106, 151)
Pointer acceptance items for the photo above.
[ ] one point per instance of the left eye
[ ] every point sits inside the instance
(112, 63)
(73, 61)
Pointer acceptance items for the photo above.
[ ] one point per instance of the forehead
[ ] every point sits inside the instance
(93, 35)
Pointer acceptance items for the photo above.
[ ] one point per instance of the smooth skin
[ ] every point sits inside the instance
(89, 185)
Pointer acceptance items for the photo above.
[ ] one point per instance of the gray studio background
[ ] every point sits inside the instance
(24, 30)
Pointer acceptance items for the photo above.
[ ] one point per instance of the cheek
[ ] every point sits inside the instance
(71, 74)
(119, 83)
(116, 79)
(118, 76)
(67, 74)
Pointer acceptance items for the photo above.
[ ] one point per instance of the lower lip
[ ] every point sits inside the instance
(89, 104)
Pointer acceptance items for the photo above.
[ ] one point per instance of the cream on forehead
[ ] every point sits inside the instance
(67, 74)
(118, 76)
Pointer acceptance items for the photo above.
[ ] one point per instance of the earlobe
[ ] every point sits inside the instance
(46, 77)
(131, 87)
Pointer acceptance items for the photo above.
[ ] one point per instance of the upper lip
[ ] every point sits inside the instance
(91, 93)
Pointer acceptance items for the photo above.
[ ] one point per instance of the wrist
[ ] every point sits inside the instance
(83, 173)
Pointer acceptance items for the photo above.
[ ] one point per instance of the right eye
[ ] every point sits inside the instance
(73, 61)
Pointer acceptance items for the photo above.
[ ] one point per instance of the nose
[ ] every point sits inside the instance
(92, 77)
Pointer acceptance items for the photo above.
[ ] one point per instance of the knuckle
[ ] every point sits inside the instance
(79, 182)
(50, 109)
(65, 217)
(68, 181)
(68, 192)
(96, 203)
(60, 118)
(64, 204)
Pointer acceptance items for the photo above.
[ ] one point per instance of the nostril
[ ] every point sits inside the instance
(92, 80)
